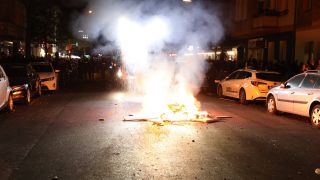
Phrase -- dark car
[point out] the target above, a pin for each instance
(24, 80)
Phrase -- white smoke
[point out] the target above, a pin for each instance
(143, 26)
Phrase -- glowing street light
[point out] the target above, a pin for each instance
(187, 1)
(90, 11)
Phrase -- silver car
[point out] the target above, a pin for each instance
(6, 100)
(299, 95)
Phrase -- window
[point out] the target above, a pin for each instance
(241, 10)
(309, 81)
(1, 73)
(295, 81)
(43, 68)
(282, 5)
(307, 5)
(271, 51)
(317, 84)
(233, 75)
(244, 75)
(270, 76)
(283, 50)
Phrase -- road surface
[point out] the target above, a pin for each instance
(80, 134)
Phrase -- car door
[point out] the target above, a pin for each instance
(304, 95)
(241, 81)
(228, 84)
(3, 87)
(286, 93)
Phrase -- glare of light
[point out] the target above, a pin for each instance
(119, 73)
(137, 38)
(190, 48)
(85, 36)
(156, 29)
(90, 11)
(230, 53)
(187, 1)
(42, 52)
(119, 96)
(188, 54)
(75, 57)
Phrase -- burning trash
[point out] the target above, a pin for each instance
(176, 113)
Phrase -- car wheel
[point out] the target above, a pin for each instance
(10, 106)
(27, 99)
(219, 91)
(243, 97)
(315, 116)
(271, 105)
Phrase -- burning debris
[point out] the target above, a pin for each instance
(177, 114)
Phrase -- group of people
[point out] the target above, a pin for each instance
(310, 66)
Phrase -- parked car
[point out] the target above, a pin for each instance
(47, 75)
(247, 84)
(24, 80)
(6, 100)
(299, 95)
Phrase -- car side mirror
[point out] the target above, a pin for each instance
(285, 86)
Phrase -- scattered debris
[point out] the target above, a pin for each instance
(317, 171)
(158, 121)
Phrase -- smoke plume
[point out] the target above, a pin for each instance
(143, 29)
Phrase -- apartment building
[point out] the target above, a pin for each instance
(13, 25)
(263, 30)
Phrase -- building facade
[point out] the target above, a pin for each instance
(307, 48)
(13, 24)
(262, 31)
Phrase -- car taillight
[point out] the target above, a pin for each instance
(256, 83)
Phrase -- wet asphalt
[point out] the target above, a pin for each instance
(80, 134)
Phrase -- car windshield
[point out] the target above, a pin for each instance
(15, 70)
(270, 77)
(43, 68)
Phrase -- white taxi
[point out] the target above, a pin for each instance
(248, 84)
(299, 95)
(47, 75)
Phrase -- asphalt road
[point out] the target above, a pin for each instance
(80, 135)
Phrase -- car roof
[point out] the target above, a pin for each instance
(312, 71)
(258, 71)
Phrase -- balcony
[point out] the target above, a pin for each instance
(265, 22)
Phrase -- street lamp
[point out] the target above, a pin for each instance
(90, 11)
